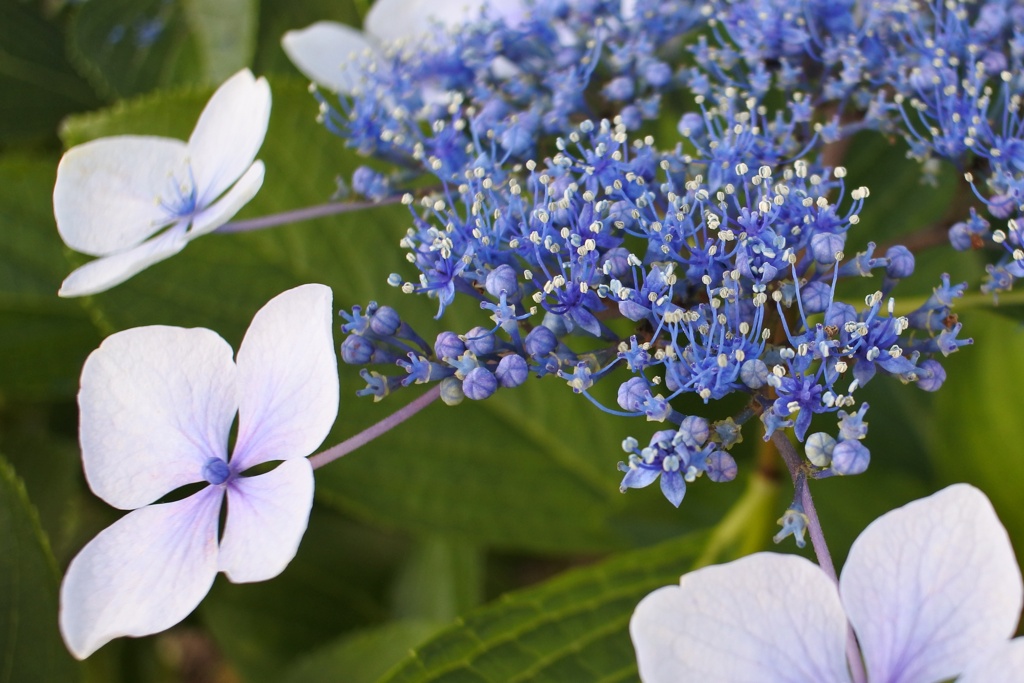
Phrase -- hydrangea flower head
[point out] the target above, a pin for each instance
(134, 200)
(932, 591)
(157, 405)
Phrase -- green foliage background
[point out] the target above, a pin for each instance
(487, 542)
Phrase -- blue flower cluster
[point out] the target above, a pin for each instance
(708, 265)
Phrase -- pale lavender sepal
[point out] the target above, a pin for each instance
(765, 617)
(287, 378)
(106, 198)
(324, 53)
(930, 585)
(105, 272)
(156, 403)
(141, 575)
(113, 193)
(267, 515)
(229, 134)
(225, 208)
(1004, 663)
(392, 20)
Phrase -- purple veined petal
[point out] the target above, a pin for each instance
(105, 272)
(929, 585)
(225, 208)
(1003, 664)
(156, 403)
(639, 477)
(113, 193)
(287, 378)
(764, 617)
(267, 516)
(673, 487)
(228, 134)
(323, 52)
(141, 575)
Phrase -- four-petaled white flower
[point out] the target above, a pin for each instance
(323, 51)
(932, 591)
(134, 200)
(157, 405)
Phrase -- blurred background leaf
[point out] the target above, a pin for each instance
(340, 580)
(225, 33)
(31, 645)
(38, 83)
(129, 47)
(44, 340)
(973, 426)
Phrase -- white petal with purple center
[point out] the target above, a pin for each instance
(225, 208)
(267, 515)
(103, 273)
(156, 403)
(287, 378)
(228, 134)
(112, 193)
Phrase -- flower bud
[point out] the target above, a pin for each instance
(385, 321)
(512, 370)
(502, 279)
(540, 342)
(357, 350)
(479, 384)
(480, 341)
(448, 345)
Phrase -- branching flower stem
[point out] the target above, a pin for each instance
(371, 433)
(794, 464)
(305, 214)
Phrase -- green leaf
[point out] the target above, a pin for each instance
(363, 656)
(571, 628)
(49, 337)
(39, 86)
(31, 647)
(225, 31)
